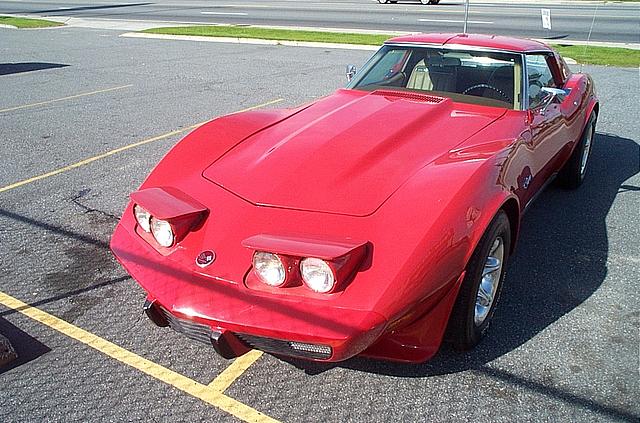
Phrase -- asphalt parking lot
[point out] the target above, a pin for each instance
(84, 116)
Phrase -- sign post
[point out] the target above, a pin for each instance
(466, 16)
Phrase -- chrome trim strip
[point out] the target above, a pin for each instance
(539, 192)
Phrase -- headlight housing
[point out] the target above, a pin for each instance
(269, 268)
(299, 266)
(317, 274)
(162, 232)
(143, 218)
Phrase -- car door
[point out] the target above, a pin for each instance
(549, 122)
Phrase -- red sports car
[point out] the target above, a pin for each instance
(374, 221)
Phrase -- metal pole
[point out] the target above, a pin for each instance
(466, 16)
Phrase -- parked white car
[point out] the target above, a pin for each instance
(421, 1)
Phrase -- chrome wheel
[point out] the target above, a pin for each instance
(488, 287)
(586, 150)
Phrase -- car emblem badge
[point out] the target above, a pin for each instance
(205, 258)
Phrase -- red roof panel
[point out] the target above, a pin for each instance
(498, 42)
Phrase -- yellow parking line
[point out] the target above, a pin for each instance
(183, 383)
(119, 150)
(41, 103)
(234, 371)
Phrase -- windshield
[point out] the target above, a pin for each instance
(478, 77)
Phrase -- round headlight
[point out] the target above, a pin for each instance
(317, 274)
(143, 217)
(269, 268)
(162, 232)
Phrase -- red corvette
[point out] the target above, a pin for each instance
(374, 221)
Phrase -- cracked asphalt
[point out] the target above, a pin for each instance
(565, 340)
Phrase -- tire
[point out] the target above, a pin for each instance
(434, 1)
(573, 172)
(472, 312)
(383, 1)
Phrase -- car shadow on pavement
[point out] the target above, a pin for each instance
(27, 347)
(11, 68)
(559, 262)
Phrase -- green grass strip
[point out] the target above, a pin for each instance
(273, 34)
(609, 56)
(27, 23)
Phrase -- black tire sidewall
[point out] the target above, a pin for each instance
(570, 176)
(463, 333)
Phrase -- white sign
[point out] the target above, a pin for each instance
(546, 18)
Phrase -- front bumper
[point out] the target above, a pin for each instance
(237, 318)
(230, 345)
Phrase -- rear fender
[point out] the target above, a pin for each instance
(593, 106)
(582, 95)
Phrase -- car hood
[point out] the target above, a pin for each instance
(346, 153)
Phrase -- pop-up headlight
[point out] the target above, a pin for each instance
(317, 274)
(269, 268)
(162, 232)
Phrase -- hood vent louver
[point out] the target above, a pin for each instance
(423, 98)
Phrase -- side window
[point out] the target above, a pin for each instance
(539, 76)
(566, 72)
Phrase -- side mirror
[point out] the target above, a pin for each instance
(550, 94)
(351, 72)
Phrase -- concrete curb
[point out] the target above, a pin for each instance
(7, 353)
(256, 41)
(8, 26)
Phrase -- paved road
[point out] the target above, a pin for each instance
(563, 346)
(613, 22)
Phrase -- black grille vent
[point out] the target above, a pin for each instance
(202, 333)
(192, 330)
(290, 348)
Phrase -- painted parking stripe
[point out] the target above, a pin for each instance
(71, 97)
(454, 21)
(203, 392)
(119, 150)
(234, 371)
(225, 13)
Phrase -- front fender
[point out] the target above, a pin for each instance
(191, 155)
(439, 216)
(458, 206)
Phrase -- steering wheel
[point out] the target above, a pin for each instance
(491, 87)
